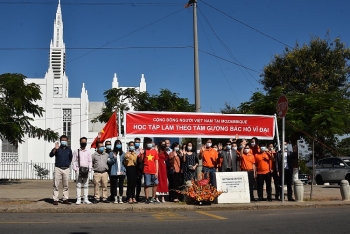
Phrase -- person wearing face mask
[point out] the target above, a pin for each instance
(100, 168)
(229, 158)
(63, 158)
(116, 159)
(163, 163)
(138, 148)
(285, 161)
(210, 159)
(130, 163)
(190, 163)
(175, 165)
(108, 149)
(247, 163)
(150, 159)
(167, 147)
(264, 167)
(84, 157)
(254, 145)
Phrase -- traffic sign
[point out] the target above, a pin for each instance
(282, 106)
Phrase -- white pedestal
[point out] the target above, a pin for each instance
(235, 186)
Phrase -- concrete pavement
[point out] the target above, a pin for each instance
(36, 196)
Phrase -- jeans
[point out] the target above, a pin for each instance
(211, 172)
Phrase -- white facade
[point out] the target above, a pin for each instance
(63, 114)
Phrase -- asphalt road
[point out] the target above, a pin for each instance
(308, 220)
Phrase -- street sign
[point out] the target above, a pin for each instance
(282, 106)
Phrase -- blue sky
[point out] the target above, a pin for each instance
(123, 24)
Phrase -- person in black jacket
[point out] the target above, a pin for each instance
(288, 159)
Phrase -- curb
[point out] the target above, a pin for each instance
(166, 208)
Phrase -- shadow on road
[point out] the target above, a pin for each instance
(9, 182)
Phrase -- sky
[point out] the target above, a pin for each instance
(155, 38)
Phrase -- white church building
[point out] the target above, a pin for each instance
(63, 114)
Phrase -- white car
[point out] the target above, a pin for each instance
(332, 170)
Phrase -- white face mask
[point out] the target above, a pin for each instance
(208, 145)
(189, 148)
(286, 146)
(263, 148)
(246, 151)
(234, 148)
(252, 144)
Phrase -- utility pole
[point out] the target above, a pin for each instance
(196, 76)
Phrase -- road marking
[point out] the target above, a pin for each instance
(210, 215)
(168, 216)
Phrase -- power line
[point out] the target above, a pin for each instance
(228, 50)
(262, 33)
(93, 3)
(222, 70)
(100, 48)
(128, 34)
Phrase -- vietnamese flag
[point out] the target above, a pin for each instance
(190, 3)
(109, 130)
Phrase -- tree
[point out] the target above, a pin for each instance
(344, 147)
(142, 101)
(18, 109)
(229, 109)
(314, 77)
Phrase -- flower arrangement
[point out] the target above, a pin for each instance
(200, 190)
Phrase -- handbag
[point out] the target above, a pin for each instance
(83, 171)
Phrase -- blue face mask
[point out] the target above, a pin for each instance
(118, 146)
(263, 148)
(228, 147)
(108, 146)
(150, 145)
(64, 143)
(137, 145)
(101, 149)
(131, 148)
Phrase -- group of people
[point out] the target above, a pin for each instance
(260, 160)
(166, 168)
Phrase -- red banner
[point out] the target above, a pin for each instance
(182, 124)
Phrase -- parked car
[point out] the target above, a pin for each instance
(332, 170)
(305, 178)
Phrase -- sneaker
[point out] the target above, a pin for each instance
(153, 200)
(78, 202)
(116, 201)
(147, 201)
(86, 201)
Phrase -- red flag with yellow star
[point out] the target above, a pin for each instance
(190, 2)
(109, 130)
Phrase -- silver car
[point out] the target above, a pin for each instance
(332, 170)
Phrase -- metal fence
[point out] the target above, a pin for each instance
(30, 171)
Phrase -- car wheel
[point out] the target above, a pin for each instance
(319, 180)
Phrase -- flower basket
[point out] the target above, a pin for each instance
(200, 191)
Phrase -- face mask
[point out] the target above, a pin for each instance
(234, 148)
(108, 146)
(137, 145)
(149, 146)
(286, 146)
(271, 149)
(101, 149)
(246, 151)
(131, 148)
(83, 145)
(162, 146)
(176, 149)
(118, 146)
(240, 147)
(263, 148)
(189, 148)
(208, 145)
(228, 147)
(64, 143)
(252, 144)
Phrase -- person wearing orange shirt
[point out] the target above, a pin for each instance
(263, 161)
(247, 163)
(210, 160)
(254, 145)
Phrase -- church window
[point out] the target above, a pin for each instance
(67, 124)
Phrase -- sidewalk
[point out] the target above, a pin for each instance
(36, 196)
